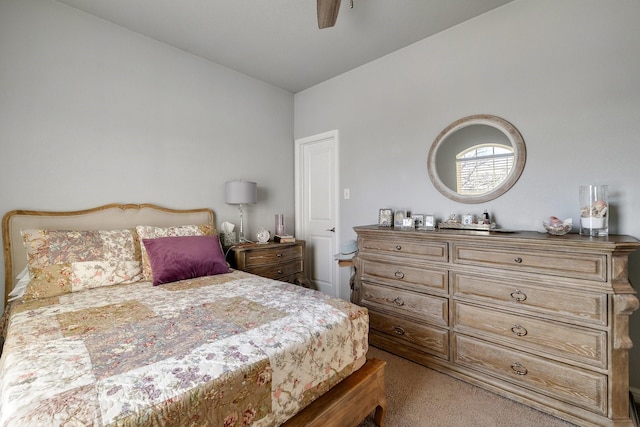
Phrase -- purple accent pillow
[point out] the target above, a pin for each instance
(184, 257)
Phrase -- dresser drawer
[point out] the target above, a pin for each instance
(415, 278)
(428, 251)
(271, 255)
(278, 272)
(572, 305)
(572, 343)
(427, 308)
(564, 382)
(424, 338)
(565, 264)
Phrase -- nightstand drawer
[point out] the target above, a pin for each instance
(280, 261)
(272, 254)
(277, 271)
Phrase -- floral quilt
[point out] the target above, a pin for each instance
(227, 350)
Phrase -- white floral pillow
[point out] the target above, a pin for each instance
(150, 232)
(64, 261)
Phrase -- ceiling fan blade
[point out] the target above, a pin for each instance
(327, 13)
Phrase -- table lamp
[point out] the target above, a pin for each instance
(240, 193)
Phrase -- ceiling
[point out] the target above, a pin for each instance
(278, 41)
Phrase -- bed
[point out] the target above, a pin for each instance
(139, 321)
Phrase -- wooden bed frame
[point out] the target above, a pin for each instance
(346, 404)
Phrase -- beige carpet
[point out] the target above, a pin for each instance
(421, 397)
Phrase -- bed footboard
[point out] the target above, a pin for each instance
(348, 403)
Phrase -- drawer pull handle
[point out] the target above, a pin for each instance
(518, 295)
(399, 274)
(398, 248)
(399, 301)
(398, 330)
(278, 255)
(519, 331)
(519, 369)
(518, 260)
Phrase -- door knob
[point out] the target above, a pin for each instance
(333, 229)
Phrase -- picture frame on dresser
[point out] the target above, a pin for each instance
(418, 220)
(385, 217)
(399, 217)
(428, 222)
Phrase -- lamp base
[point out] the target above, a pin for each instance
(241, 238)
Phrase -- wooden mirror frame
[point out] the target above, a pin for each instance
(519, 152)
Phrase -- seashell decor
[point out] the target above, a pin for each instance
(558, 227)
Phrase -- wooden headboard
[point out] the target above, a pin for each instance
(108, 217)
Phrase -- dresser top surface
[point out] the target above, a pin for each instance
(506, 237)
(269, 245)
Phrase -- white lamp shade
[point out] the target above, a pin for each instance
(240, 192)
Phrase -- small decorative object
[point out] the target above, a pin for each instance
(284, 238)
(467, 219)
(418, 220)
(399, 216)
(468, 223)
(558, 227)
(263, 236)
(485, 217)
(385, 218)
(429, 222)
(228, 239)
(279, 228)
(594, 210)
(407, 224)
(228, 235)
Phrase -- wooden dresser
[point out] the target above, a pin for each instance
(536, 318)
(280, 261)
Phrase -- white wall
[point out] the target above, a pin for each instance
(91, 113)
(565, 73)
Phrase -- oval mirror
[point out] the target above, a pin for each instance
(476, 159)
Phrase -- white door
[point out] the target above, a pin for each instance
(316, 201)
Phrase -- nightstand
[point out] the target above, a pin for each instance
(280, 261)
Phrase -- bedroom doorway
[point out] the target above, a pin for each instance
(317, 207)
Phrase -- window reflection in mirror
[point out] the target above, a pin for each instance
(482, 167)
